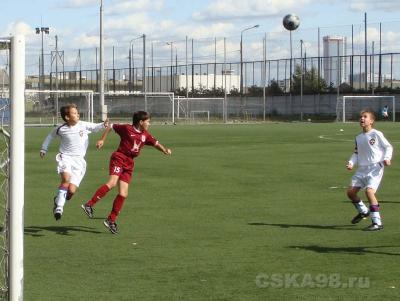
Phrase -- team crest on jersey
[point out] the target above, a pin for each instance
(143, 138)
(81, 133)
(372, 141)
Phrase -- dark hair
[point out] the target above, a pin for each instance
(64, 111)
(139, 116)
(370, 112)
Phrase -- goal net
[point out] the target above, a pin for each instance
(161, 106)
(200, 110)
(43, 107)
(348, 107)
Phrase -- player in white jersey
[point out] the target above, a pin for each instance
(71, 164)
(372, 152)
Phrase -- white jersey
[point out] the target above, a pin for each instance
(74, 139)
(371, 148)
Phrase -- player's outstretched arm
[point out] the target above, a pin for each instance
(103, 138)
(47, 142)
(163, 149)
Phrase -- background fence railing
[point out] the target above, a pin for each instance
(327, 73)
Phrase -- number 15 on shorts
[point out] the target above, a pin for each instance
(117, 170)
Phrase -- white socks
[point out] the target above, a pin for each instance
(361, 208)
(61, 197)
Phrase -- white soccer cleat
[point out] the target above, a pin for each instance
(58, 211)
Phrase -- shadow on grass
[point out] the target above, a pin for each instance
(347, 250)
(61, 230)
(321, 227)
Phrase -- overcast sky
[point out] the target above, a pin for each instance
(76, 23)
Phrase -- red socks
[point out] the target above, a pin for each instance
(117, 206)
(99, 194)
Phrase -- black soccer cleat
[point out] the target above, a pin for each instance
(111, 226)
(373, 227)
(359, 217)
(88, 210)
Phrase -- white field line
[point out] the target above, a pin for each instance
(331, 138)
(326, 137)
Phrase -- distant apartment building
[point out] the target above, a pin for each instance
(373, 80)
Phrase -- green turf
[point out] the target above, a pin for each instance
(233, 205)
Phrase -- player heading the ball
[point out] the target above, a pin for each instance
(133, 138)
(372, 153)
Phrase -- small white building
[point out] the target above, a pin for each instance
(198, 81)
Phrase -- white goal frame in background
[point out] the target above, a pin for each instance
(87, 93)
(147, 96)
(343, 100)
(184, 111)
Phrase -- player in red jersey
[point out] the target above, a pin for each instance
(133, 138)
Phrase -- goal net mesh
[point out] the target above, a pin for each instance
(4, 196)
(43, 107)
(201, 109)
(348, 108)
(120, 107)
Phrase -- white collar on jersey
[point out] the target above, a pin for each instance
(136, 129)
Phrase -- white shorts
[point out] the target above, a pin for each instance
(75, 166)
(368, 176)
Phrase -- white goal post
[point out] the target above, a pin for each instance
(348, 107)
(12, 168)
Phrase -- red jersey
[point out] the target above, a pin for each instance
(132, 140)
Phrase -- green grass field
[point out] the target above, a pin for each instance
(238, 212)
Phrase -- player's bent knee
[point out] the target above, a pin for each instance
(350, 193)
(111, 185)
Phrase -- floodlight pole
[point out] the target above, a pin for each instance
(172, 45)
(143, 36)
(144, 88)
(290, 29)
(365, 52)
(241, 56)
(301, 80)
(41, 30)
(290, 66)
(103, 107)
(264, 72)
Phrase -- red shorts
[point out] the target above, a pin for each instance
(121, 166)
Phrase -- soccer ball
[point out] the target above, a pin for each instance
(291, 22)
